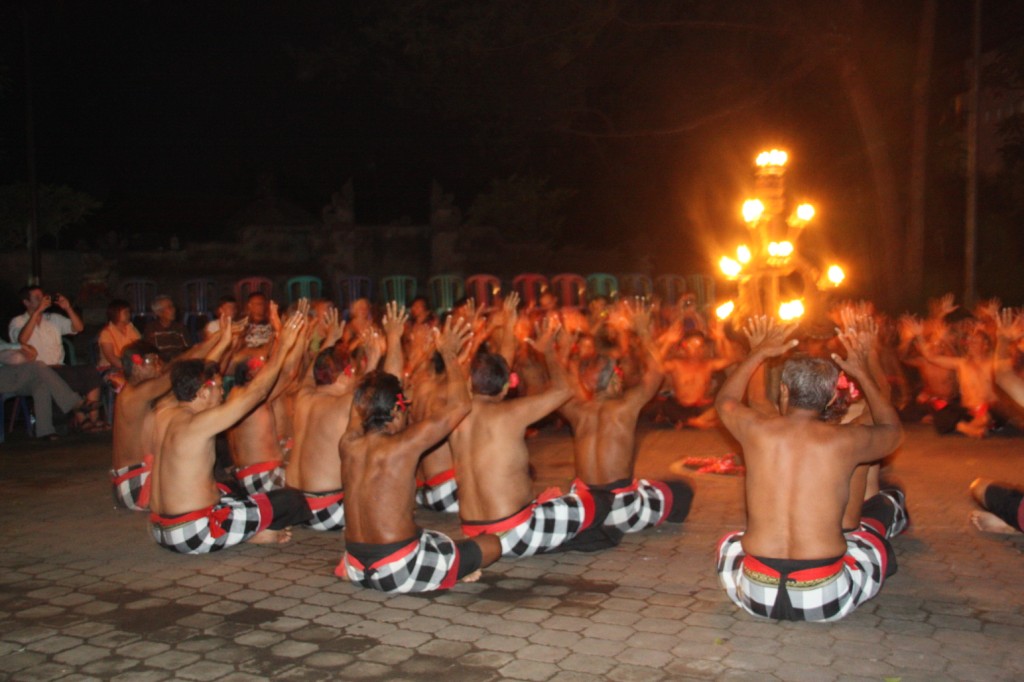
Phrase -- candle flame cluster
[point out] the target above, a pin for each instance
(791, 310)
(775, 157)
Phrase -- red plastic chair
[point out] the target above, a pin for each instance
(251, 285)
(530, 285)
(483, 288)
(570, 288)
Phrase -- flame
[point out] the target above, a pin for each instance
(805, 212)
(725, 310)
(753, 209)
(791, 310)
(743, 254)
(775, 157)
(835, 275)
(730, 268)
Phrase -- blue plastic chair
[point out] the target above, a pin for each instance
(570, 288)
(635, 284)
(352, 287)
(70, 356)
(20, 405)
(670, 287)
(704, 287)
(198, 296)
(444, 291)
(398, 288)
(305, 286)
(140, 293)
(602, 284)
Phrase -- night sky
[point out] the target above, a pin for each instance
(174, 115)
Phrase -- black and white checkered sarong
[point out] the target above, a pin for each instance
(131, 485)
(328, 510)
(642, 504)
(231, 521)
(261, 478)
(439, 493)
(429, 562)
(544, 524)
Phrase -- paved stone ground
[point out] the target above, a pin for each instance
(85, 594)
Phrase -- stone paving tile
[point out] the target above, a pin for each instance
(120, 608)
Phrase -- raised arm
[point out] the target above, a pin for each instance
(394, 321)
(1009, 331)
(558, 390)
(510, 308)
(767, 340)
(650, 382)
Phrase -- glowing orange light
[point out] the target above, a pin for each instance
(753, 209)
(835, 275)
(791, 310)
(805, 212)
(775, 157)
(725, 310)
(730, 268)
(743, 253)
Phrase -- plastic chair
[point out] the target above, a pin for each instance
(20, 405)
(704, 287)
(250, 285)
(635, 284)
(352, 287)
(444, 291)
(529, 286)
(398, 288)
(670, 287)
(139, 293)
(602, 284)
(198, 295)
(483, 289)
(70, 356)
(305, 286)
(570, 288)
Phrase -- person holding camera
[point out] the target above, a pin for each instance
(42, 330)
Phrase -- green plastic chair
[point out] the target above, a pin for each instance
(398, 288)
(602, 284)
(444, 291)
(305, 286)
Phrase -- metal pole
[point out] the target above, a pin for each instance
(32, 236)
(971, 231)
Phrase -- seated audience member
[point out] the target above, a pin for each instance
(42, 331)
(604, 444)
(227, 306)
(794, 562)
(167, 334)
(118, 333)
(136, 441)
(21, 374)
(190, 513)
(385, 549)
(492, 463)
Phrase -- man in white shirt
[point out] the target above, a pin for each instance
(21, 374)
(43, 330)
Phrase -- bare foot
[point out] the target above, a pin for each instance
(272, 537)
(472, 577)
(971, 430)
(990, 523)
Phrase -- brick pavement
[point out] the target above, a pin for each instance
(85, 594)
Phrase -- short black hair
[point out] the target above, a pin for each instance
(188, 376)
(115, 307)
(330, 363)
(375, 399)
(490, 373)
(226, 298)
(26, 291)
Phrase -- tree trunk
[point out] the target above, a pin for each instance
(913, 264)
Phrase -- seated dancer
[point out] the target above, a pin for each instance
(385, 549)
(322, 406)
(191, 514)
(492, 463)
(436, 487)
(135, 438)
(690, 369)
(253, 441)
(794, 562)
(604, 444)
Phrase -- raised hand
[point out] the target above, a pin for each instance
(455, 336)
(274, 315)
(913, 326)
(550, 327)
(857, 355)
(511, 309)
(395, 317)
(943, 306)
(373, 345)
(1010, 324)
(767, 337)
(292, 329)
(334, 325)
(990, 308)
(640, 312)
(303, 306)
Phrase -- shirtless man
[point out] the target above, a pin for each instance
(492, 463)
(794, 562)
(385, 549)
(322, 407)
(690, 371)
(253, 442)
(134, 438)
(190, 513)
(1003, 504)
(974, 374)
(604, 443)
